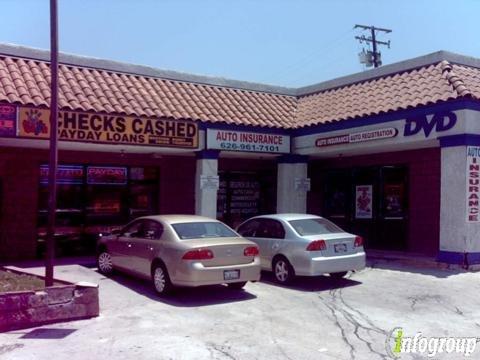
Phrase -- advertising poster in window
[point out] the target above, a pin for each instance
(363, 202)
(393, 200)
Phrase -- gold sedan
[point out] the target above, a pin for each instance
(180, 250)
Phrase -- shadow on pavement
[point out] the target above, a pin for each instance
(185, 297)
(310, 283)
(416, 268)
(48, 333)
(85, 261)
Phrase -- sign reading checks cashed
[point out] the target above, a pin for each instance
(79, 126)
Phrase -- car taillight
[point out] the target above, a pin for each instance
(198, 254)
(251, 251)
(317, 245)
(358, 241)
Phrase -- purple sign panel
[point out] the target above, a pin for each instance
(8, 116)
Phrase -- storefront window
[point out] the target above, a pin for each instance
(242, 195)
(93, 200)
(143, 195)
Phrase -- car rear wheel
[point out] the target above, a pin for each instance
(104, 262)
(283, 271)
(161, 280)
(338, 275)
(237, 285)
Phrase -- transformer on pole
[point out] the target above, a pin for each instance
(371, 57)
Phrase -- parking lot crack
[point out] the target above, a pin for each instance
(223, 350)
(336, 320)
(339, 306)
(8, 348)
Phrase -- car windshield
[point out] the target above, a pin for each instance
(195, 230)
(314, 226)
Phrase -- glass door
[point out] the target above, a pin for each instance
(393, 216)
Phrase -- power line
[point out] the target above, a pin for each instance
(311, 56)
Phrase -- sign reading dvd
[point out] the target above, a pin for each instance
(247, 141)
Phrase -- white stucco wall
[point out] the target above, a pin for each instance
(206, 198)
(289, 199)
(456, 234)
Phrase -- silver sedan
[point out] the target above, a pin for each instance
(183, 250)
(302, 244)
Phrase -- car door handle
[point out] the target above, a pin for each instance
(275, 246)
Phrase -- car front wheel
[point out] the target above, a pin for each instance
(283, 271)
(161, 280)
(104, 262)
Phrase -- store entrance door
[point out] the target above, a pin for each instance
(371, 202)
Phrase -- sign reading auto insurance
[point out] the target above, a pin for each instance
(473, 184)
(357, 137)
(247, 141)
(80, 126)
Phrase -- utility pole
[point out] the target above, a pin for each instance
(374, 54)
(53, 156)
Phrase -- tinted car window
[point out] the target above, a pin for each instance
(152, 230)
(272, 229)
(315, 226)
(133, 230)
(249, 228)
(195, 230)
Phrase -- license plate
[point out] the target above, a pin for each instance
(231, 274)
(340, 247)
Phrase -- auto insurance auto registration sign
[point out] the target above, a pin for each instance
(229, 140)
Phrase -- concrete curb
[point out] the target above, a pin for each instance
(66, 302)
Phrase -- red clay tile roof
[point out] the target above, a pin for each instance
(26, 81)
(423, 86)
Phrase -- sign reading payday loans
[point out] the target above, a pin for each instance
(8, 116)
(247, 141)
(363, 202)
(79, 126)
(473, 183)
(357, 137)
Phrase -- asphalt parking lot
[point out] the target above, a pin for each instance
(312, 319)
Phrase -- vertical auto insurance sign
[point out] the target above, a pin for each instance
(473, 183)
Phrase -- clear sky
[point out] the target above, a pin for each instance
(279, 42)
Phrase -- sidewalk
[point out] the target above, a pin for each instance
(375, 257)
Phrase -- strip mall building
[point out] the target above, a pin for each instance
(392, 154)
